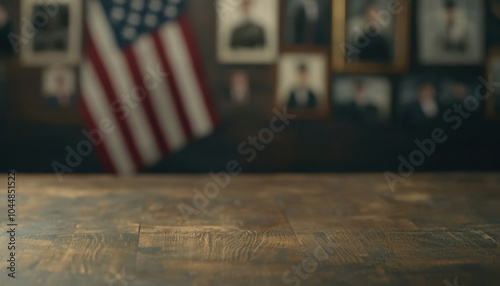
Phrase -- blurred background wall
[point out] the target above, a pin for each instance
(33, 137)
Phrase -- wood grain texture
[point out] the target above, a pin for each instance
(346, 229)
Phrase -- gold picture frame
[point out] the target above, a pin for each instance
(401, 57)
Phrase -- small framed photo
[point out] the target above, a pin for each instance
(59, 87)
(370, 36)
(455, 90)
(239, 87)
(56, 33)
(420, 101)
(363, 100)
(451, 32)
(247, 31)
(7, 12)
(303, 83)
(493, 69)
(306, 22)
(493, 22)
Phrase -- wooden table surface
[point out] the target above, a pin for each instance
(329, 229)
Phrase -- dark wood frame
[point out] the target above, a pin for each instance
(282, 43)
(490, 102)
(401, 61)
(322, 112)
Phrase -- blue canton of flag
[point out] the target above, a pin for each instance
(131, 19)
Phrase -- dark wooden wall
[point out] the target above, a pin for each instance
(32, 138)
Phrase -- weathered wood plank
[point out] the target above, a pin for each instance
(347, 229)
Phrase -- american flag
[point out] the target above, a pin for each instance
(141, 80)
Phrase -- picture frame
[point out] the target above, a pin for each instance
(303, 82)
(59, 87)
(420, 102)
(362, 99)
(493, 69)
(451, 32)
(55, 37)
(347, 53)
(247, 31)
(305, 27)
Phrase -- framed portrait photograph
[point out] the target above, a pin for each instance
(247, 31)
(420, 102)
(493, 69)
(454, 90)
(6, 28)
(59, 87)
(56, 34)
(493, 22)
(303, 83)
(451, 32)
(370, 36)
(306, 22)
(363, 100)
(239, 87)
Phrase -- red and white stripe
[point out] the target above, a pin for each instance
(176, 111)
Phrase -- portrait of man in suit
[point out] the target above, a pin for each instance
(248, 34)
(307, 22)
(425, 109)
(5, 29)
(361, 100)
(364, 27)
(451, 31)
(302, 96)
(303, 82)
(53, 35)
(453, 36)
(59, 87)
(247, 31)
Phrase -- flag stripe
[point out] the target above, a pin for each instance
(160, 50)
(95, 100)
(197, 65)
(161, 96)
(144, 95)
(112, 98)
(122, 83)
(147, 80)
(186, 80)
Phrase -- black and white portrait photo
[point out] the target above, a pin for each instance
(247, 31)
(363, 100)
(59, 87)
(239, 87)
(454, 91)
(420, 103)
(58, 36)
(451, 32)
(306, 22)
(303, 83)
(6, 27)
(54, 34)
(365, 31)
